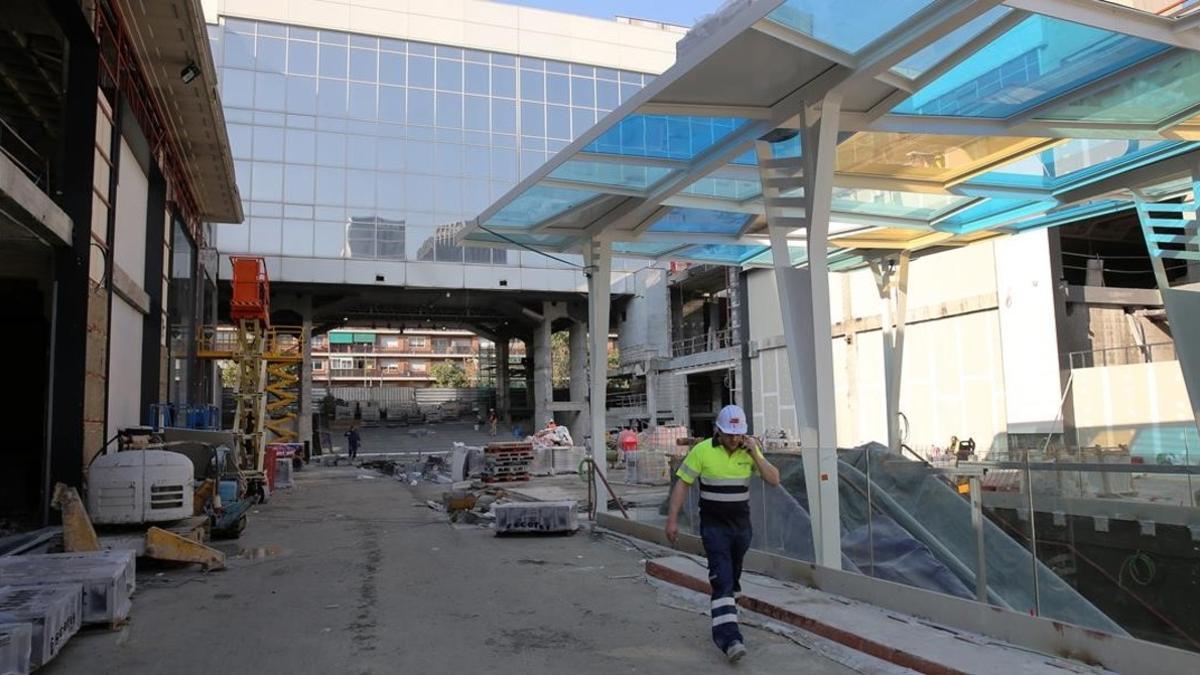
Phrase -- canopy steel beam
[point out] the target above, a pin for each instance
(891, 280)
(976, 126)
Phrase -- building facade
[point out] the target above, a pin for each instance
(105, 194)
(362, 133)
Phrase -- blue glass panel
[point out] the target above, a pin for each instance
(1036, 60)
(537, 204)
(705, 221)
(664, 136)
(914, 205)
(833, 24)
(1076, 160)
(729, 254)
(611, 174)
(992, 213)
(1154, 95)
(1071, 214)
(647, 249)
(925, 59)
(717, 187)
(528, 239)
(798, 254)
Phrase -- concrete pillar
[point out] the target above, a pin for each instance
(543, 388)
(652, 396)
(503, 406)
(580, 424)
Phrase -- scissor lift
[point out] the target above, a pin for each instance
(267, 360)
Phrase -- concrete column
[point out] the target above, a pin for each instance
(581, 424)
(543, 391)
(652, 396)
(503, 407)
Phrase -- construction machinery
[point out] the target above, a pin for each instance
(266, 362)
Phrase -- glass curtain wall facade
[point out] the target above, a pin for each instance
(353, 146)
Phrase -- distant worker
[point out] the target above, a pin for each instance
(353, 440)
(493, 420)
(724, 465)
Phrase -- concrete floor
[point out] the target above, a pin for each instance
(344, 574)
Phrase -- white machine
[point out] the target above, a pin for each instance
(140, 486)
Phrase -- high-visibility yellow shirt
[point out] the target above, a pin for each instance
(724, 482)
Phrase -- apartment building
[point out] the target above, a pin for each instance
(367, 357)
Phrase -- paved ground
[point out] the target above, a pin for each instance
(343, 574)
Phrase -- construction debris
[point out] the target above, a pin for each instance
(108, 579)
(536, 517)
(52, 611)
(16, 641)
(507, 461)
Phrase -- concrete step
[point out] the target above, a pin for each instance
(901, 639)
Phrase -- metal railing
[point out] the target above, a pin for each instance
(707, 342)
(1123, 356)
(629, 400)
(21, 153)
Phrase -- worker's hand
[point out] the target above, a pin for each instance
(672, 531)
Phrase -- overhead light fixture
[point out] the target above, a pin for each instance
(190, 72)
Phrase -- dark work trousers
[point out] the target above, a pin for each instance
(725, 548)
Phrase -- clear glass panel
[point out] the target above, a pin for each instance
(830, 23)
(706, 221)
(916, 65)
(991, 213)
(925, 156)
(272, 54)
(913, 205)
(611, 173)
(728, 188)
(798, 254)
(333, 61)
(1036, 60)
(1152, 96)
(537, 204)
(643, 249)
(664, 136)
(728, 254)
(1072, 160)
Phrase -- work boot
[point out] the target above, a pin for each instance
(735, 651)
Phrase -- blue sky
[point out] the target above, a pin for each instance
(682, 12)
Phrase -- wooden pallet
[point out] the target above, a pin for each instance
(508, 478)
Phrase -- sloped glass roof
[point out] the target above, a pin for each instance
(663, 136)
(538, 204)
(829, 22)
(1011, 114)
(1036, 60)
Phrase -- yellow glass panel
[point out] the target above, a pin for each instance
(926, 157)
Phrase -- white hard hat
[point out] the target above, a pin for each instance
(732, 420)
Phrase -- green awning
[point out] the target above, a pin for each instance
(365, 337)
(341, 338)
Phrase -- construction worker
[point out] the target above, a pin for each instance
(724, 465)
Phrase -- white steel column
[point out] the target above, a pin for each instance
(597, 256)
(891, 277)
(1178, 225)
(804, 305)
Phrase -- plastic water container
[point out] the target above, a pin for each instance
(228, 491)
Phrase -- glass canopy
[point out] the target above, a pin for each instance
(988, 128)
